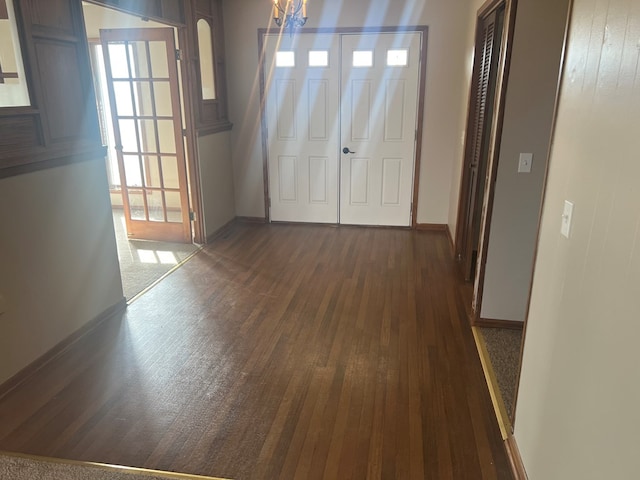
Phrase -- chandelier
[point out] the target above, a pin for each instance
(293, 15)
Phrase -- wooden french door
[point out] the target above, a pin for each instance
(142, 80)
(328, 92)
(488, 45)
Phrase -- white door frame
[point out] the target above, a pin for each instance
(421, 29)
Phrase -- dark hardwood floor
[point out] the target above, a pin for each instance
(278, 352)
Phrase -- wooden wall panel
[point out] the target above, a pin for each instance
(19, 130)
(61, 124)
(54, 14)
(63, 90)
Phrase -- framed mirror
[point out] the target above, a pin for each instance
(13, 84)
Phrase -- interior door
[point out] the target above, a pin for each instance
(302, 123)
(142, 79)
(379, 104)
(487, 55)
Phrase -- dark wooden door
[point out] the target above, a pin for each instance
(485, 72)
(142, 80)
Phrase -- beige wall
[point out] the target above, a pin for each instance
(58, 260)
(216, 178)
(447, 62)
(531, 93)
(577, 414)
(465, 87)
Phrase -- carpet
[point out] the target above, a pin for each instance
(24, 467)
(503, 346)
(142, 263)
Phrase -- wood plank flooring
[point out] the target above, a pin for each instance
(279, 351)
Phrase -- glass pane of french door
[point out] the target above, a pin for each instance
(142, 80)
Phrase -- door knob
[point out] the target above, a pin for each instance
(346, 150)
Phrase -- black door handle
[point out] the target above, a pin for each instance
(346, 150)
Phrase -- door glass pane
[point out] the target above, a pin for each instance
(118, 60)
(122, 92)
(159, 66)
(154, 204)
(152, 172)
(362, 58)
(170, 172)
(128, 135)
(148, 136)
(162, 92)
(165, 134)
(132, 170)
(138, 58)
(285, 59)
(144, 99)
(136, 205)
(174, 209)
(397, 58)
(318, 58)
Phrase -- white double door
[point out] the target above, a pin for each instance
(341, 114)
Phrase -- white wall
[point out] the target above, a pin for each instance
(531, 93)
(444, 120)
(216, 178)
(577, 414)
(58, 260)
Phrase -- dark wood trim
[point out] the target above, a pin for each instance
(439, 227)
(217, 128)
(251, 219)
(24, 374)
(515, 460)
(191, 145)
(423, 30)
(544, 195)
(496, 323)
(220, 232)
(424, 36)
(174, 17)
(263, 121)
(43, 160)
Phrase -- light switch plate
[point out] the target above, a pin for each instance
(567, 216)
(524, 164)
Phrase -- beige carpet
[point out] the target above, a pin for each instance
(19, 467)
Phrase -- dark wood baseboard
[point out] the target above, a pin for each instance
(493, 323)
(251, 219)
(221, 231)
(433, 227)
(60, 348)
(513, 453)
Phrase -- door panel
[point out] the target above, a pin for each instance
(302, 126)
(142, 80)
(378, 115)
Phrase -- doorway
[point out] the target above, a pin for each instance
(479, 128)
(341, 123)
(138, 93)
